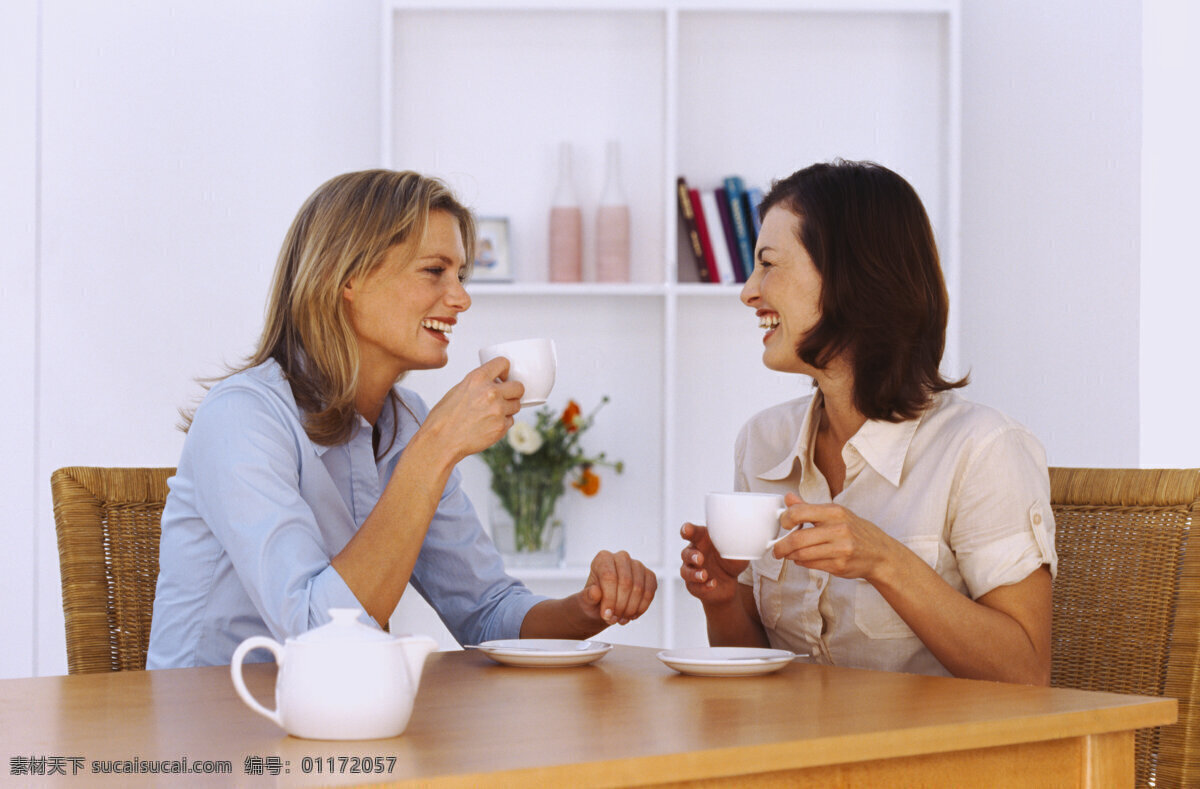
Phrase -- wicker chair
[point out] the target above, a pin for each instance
(1127, 601)
(108, 526)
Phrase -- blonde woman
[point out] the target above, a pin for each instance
(310, 480)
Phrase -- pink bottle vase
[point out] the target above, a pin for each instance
(566, 225)
(612, 224)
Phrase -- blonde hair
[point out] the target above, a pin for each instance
(343, 231)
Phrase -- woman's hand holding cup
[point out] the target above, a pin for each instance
(477, 411)
(708, 577)
(743, 524)
(532, 362)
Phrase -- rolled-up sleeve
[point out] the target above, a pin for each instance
(1003, 526)
(246, 467)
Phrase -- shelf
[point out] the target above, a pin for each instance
(724, 290)
(581, 289)
(687, 6)
(482, 92)
(591, 289)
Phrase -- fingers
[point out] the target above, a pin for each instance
(801, 513)
(696, 533)
(692, 556)
(693, 565)
(495, 373)
(798, 545)
(706, 575)
(512, 392)
(495, 368)
(621, 587)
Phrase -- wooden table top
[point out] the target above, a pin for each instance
(626, 719)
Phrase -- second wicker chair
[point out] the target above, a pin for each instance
(1127, 601)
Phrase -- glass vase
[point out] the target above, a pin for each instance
(566, 224)
(525, 529)
(612, 223)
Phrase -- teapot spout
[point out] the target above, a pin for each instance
(416, 649)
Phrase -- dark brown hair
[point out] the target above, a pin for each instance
(883, 299)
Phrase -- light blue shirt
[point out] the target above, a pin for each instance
(256, 511)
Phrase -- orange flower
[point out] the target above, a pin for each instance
(588, 483)
(570, 417)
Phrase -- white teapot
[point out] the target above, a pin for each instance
(341, 681)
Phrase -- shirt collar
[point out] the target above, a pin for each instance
(883, 445)
(800, 450)
(385, 422)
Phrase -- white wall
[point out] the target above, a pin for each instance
(1169, 377)
(1050, 220)
(18, 306)
(170, 144)
(176, 142)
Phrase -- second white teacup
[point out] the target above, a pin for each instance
(532, 362)
(741, 525)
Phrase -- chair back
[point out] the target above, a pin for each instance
(1127, 601)
(108, 524)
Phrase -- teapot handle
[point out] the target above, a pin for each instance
(235, 669)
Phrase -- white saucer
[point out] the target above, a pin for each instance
(543, 652)
(726, 661)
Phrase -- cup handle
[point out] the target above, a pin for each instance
(771, 543)
(235, 670)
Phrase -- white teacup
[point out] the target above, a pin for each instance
(742, 525)
(532, 362)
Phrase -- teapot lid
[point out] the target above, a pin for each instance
(344, 627)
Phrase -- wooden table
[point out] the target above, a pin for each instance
(627, 719)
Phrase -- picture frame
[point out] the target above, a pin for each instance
(492, 261)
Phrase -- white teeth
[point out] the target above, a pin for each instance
(444, 328)
(768, 321)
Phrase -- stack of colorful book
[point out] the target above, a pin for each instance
(721, 225)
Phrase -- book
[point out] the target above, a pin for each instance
(754, 198)
(702, 230)
(716, 235)
(735, 189)
(688, 217)
(735, 255)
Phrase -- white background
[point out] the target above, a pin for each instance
(152, 155)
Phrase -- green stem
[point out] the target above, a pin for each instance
(530, 500)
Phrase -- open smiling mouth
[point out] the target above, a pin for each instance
(441, 328)
(768, 322)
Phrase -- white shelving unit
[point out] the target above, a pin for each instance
(482, 93)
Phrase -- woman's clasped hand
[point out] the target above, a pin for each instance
(619, 589)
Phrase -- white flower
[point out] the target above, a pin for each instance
(524, 438)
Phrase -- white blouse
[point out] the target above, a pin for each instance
(962, 486)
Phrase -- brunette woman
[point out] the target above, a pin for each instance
(925, 540)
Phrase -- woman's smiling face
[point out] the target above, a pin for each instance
(404, 310)
(784, 290)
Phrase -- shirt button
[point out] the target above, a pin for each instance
(1037, 519)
